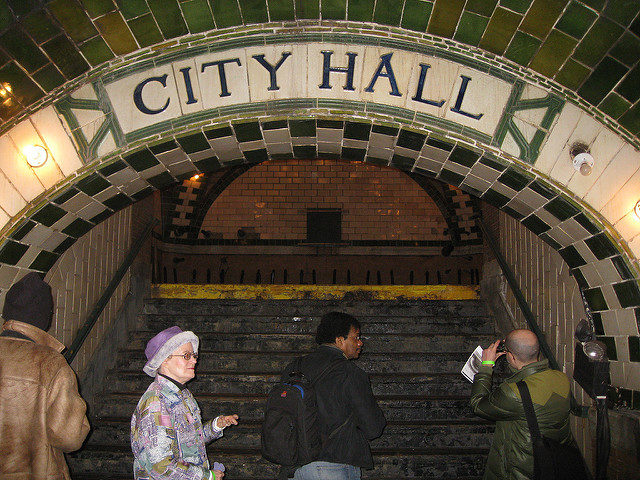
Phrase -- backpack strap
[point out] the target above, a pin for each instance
(330, 366)
(527, 403)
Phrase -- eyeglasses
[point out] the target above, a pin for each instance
(187, 356)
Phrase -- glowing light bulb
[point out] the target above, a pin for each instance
(36, 155)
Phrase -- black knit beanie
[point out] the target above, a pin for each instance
(29, 300)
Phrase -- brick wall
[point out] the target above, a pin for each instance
(376, 203)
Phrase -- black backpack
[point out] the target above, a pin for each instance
(291, 429)
(552, 460)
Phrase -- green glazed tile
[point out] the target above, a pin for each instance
(49, 214)
(21, 232)
(561, 209)
(169, 17)
(302, 128)
(541, 17)
(163, 147)
(44, 261)
(334, 124)
(384, 130)
(256, 156)
(634, 349)
(101, 216)
(387, 12)
(595, 4)
(622, 267)
(64, 245)
(576, 20)
(572, 74)
(520, 6)
(463, 156)
(116, 33)
(553, 53)
(95, 8)
(361, 11)
(597, 324)
(48, 78)
(20, 7)
(141, 160)
(333, 9)
(628, 293)
(247, 132)
(481, 7)
(614, 105)
(253, 11)
(500, 30)
(112, 168)
(416, 15)
(132, 8)
(11, 252)
(92, 184)
(597, 42)
(470, 28)
(74, 20)
(66, 195)
(601, 246)
(610, 343)
(96, 51)
(6, 17)
(118, 202)
(444, 17)
(274, 125)
(514, 179)
(21, 48)
(571, 255)
(282, 10)
(309, 151)
(627, 50)
(144, 193)
(535, 224)
(226, 13)
(522, 48)
(145, 30)
(193, 143)
(629, 88)
(453, 178)
(40, 26)
(162, 180)
(411, 140)
(496, 199)
(218, 133)
(622, 11)
(635, 26)
(22, 85)
(602, 80)
(357, 130)
(197, 15)
(65, 56)
(307, 8)
(631, 119)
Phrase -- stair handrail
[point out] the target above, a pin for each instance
(517, 293)
(71, 352)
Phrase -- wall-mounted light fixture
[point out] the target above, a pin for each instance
(36, 155)
(582, 159)
(636, 209)
(5, 94)
(196, 177)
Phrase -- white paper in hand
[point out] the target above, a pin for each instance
(473, 364)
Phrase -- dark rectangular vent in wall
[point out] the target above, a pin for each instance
(324, 225)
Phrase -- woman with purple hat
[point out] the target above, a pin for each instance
(167, 434)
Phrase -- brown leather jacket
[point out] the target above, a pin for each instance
(42, 414)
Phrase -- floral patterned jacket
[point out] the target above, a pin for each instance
(167, 435)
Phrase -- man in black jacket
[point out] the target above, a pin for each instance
(349, 414)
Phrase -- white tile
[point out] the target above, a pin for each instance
(37, 235)
(559, 236)
(10, 200)
(153, 171)
(291, 82)
(482, 171)
(16, 169)
(178, 169)
(586, 252)
(531, 198)
(456, 167)
(172, 156)
(427, 164)
(628, 226)
(437, 154)
(351, 143)
(197, 156)
(617, 173)
(303, 140)
(558, 137)
(329, 147)
(329, 135)
(381, 140)
(245, 146)
(632, 375)
(91, 210)
(624, 201)
(520, 207)
(8, 276)
(378, 152)
(479, 184)
(337, 80)
(53, 241)
(134, 187)
(123, 176)
(57, 140)
(547, 217)
(592, 275)
(610, 296)
(406, 152)
(278, 136)
(106, 194)
(280, 148)
(627, 323)
(616, 372)
(574, 229)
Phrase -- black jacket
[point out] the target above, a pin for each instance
(344, 391)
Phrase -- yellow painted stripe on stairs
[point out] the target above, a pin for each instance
(315, 292)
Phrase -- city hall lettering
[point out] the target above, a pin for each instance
(429, 85)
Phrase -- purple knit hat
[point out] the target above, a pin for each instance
(163, 344)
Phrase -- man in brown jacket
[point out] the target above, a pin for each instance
(41, 412)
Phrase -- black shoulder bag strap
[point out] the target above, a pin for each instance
(527, 403)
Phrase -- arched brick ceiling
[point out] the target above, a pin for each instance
(591, 47)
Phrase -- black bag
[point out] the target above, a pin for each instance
(552, 460)
(291, 429)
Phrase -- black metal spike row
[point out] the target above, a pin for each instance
(414, 351)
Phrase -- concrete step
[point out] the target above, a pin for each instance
(452, 433)
(260, 384)
(304, 343)
(418, 408)
(259, 362)
(453, 462)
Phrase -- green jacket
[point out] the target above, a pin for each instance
(510, 456)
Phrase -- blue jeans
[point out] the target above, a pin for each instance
(327, 471)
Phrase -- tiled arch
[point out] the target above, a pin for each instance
(597, 263)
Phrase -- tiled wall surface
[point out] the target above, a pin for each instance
(554, 298)
(81, 275)
(273, 198)
(590, 47)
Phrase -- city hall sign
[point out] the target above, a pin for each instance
(428, 89)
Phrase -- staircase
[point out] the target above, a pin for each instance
(413, 352)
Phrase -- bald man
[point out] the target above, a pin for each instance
(511, 454)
